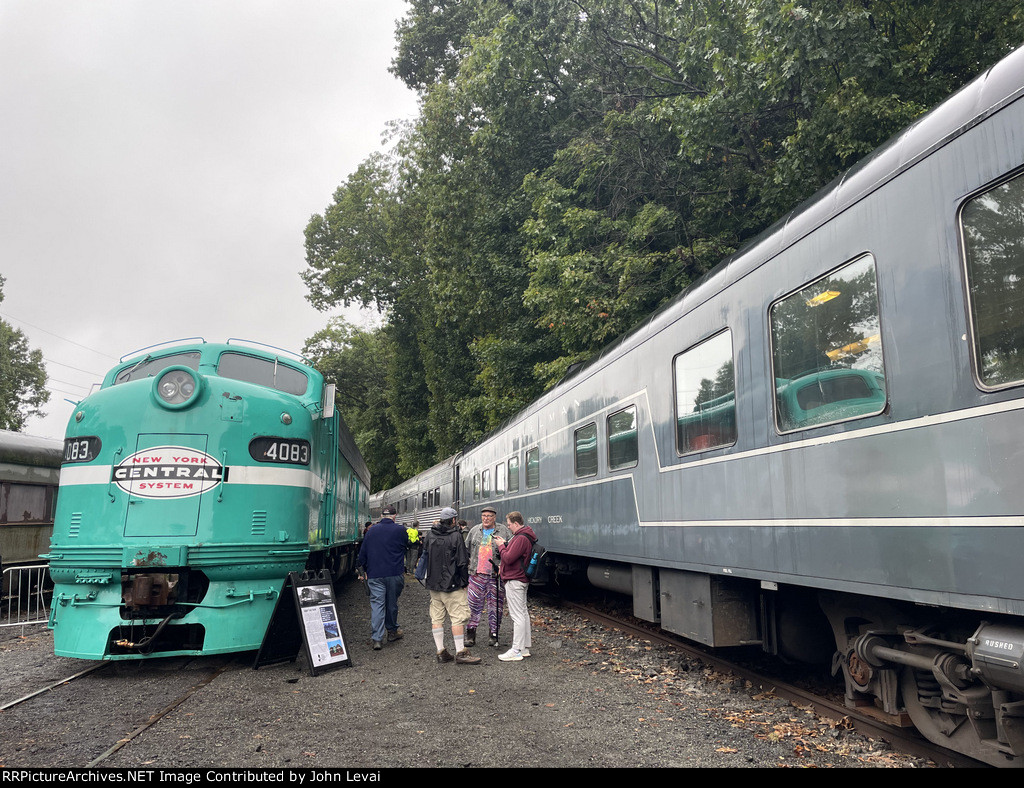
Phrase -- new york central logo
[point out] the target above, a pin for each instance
(168, 472)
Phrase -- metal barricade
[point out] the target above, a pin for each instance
(25, 593)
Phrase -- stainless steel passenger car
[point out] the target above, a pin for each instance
(421, 498)
(818, 447)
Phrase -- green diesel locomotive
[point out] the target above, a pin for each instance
(193, 481)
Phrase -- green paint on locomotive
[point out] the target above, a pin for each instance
(194, 480)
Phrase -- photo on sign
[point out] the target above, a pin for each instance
(310, 596)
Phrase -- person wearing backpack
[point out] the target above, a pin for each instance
(514, 556)
(447, 575)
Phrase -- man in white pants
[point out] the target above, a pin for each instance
(514, 555)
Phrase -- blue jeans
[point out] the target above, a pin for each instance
(384, 593)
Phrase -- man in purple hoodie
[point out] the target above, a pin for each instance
(514, 555)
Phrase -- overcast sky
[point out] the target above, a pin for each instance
(159, 161)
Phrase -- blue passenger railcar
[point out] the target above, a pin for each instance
(193, 481)
(817, 448)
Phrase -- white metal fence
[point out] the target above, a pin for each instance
(26, 590)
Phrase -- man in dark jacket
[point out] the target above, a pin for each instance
(382, 567)
(447, 578)
(514, 554)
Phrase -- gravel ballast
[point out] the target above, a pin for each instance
(588, 697)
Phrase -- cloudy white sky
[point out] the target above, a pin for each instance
(159, 160)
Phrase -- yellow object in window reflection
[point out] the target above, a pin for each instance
(853, 348)
(822, 298)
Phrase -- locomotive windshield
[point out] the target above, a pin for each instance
(150, 366)
(263, 372)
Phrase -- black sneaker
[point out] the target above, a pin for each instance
(470, 637)
(494, 640)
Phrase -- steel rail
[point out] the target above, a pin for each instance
(55, 684)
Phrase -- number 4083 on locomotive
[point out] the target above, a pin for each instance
(193, 481)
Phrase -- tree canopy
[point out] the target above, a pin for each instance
(22, 377)
(576, 163)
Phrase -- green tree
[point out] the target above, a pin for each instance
(576, 163)
(22, 377)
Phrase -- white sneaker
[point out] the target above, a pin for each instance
(525, 652)
(511, 656)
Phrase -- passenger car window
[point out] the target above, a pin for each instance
(827, 350)
(623, 450)
(486, 476)
(26, 503)
(263, 372)
(499, 479)
(586, 451)
(993, 244)
(533, 468)
(706, 395)
(513, 474)
(149, 367)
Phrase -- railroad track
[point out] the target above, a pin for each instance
(52, 716)
(905, 740)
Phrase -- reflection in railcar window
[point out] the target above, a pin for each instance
(149, 367)
(513, 474)
(476, 486)
(499, 479)
(486, 482)
(623, 451)
(586, 451)
(706, 395)
(263, 372)
(827, 350)
(533, 468)
(993, 235)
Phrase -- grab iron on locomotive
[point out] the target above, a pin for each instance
(817, 449)
(192, 482)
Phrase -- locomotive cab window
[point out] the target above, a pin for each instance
(263, 372)
(992, 226)
(586, 451)
(706, 395)
(827, 350)
(623, 450)
(149, 367)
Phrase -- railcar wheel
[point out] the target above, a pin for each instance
(946, 723)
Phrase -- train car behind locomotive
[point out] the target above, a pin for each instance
(817, 448)
(194, 480)
(29, 474)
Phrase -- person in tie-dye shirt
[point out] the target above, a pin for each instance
(484, 589)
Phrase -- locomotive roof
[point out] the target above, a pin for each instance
(997, 87)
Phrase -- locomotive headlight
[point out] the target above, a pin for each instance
(176, 387)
